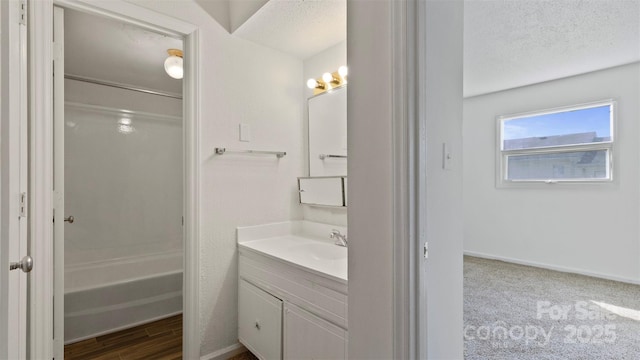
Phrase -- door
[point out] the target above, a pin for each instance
(13, 182)
(59, 216)
(259, 321)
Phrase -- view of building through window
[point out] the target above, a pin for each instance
(567, 144)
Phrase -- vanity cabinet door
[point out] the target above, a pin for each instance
(307, 336)
(259, 321)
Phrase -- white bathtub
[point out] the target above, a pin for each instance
(107, 296)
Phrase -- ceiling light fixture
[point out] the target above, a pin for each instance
(173, 64)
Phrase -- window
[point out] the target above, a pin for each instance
(571, 144)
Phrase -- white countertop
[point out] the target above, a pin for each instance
(287, 242)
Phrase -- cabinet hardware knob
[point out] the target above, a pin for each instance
(257, 325)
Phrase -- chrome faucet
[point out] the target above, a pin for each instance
(341, 240)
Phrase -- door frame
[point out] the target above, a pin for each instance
(41, 167)
(406, 204)
(412, 51)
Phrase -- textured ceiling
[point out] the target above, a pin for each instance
(297, 27)
(105, 49)
(512, 43)
(507, 43)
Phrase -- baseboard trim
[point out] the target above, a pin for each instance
(552, 267)
(224, 354)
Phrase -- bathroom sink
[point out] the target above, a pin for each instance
(323, 257)
(321, 251)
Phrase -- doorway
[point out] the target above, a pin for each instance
(41, 13)
(117, 183)
(534, 238)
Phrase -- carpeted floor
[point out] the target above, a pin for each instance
(519, 312)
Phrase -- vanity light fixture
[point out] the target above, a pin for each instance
(173, 64)
(343, 71)
(329, 78)
(318, 85)
(328, 81)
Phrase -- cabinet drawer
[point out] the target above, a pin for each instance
(307, 336)
(259, 321)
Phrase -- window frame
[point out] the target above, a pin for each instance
(503, 155)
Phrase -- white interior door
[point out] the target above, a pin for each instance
(13, 182)
(58, 182)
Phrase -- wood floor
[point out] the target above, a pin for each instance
(160, 339)
(244, 356)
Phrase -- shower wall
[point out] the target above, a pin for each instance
(123, 185)
(123, 179)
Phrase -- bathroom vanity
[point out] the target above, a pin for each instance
(292, 292)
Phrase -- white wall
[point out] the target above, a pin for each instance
(241, 82)
(586, 229)
(370, 181)
(328, 60)
(220, 11)
(231, 14)
(123, 184)
(241, 11)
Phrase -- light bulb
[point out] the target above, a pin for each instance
(327, 77)
(343, 71)
(312, 83)
(173, 67)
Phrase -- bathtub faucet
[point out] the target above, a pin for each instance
(341, 240)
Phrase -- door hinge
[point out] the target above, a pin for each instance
(23, 205)
(23, 12)
(426, 250)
